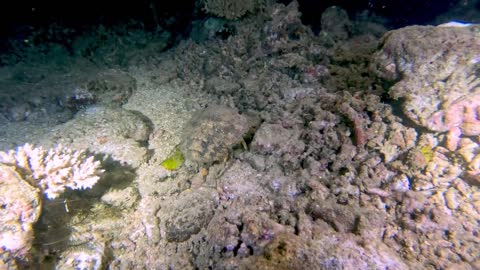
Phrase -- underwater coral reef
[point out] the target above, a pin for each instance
(254, 143)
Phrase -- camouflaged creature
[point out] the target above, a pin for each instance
(210, 135)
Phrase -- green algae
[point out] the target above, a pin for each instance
(174, 161)
(427, 153)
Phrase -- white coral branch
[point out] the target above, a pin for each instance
(55, 169)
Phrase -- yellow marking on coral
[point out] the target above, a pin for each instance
(427, 152)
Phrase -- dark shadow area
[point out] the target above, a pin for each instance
(397, 13)
(53, 231)
(21, 19)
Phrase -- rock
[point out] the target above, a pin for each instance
(20, 209)
(189, 213)
(210, 135)
(286, 251)
(86, 257)
(124, 198)
(436, 72)
(220, 86)
(108, 130)
(106, 88)
(426, 51)
(273, 139)
(18, 112)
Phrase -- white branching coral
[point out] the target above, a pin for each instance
(53, 170)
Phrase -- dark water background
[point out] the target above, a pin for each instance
(20, 17)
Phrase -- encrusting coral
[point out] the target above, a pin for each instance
(53, 170)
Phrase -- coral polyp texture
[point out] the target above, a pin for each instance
(53, 170)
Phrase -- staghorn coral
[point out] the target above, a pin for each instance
(53, 170)
(232, 9)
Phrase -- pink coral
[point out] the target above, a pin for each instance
(461, 117)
